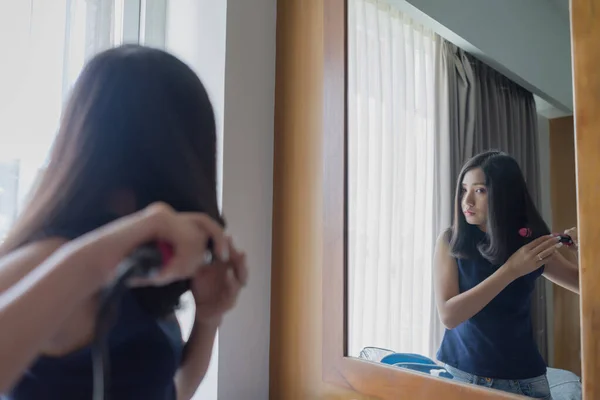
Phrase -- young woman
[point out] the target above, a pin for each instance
(134, 161)
(485, 272)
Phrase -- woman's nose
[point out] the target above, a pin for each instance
(469, 199)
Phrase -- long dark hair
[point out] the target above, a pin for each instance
(510, 208)
(138, 119)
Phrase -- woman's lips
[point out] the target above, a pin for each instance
(469, 213)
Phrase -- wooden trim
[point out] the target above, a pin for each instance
(363, 377)
(563, 184)
(334, 187)
(585, 31)
(295, 339)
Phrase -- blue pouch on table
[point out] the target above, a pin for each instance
(396, 358)
(435, 370)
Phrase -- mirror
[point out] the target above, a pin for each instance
(430, 89)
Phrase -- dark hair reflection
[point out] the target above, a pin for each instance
(510, 208)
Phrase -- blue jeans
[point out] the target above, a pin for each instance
(537, 388)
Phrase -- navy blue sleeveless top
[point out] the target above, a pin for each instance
(498, 341)
(145, 354)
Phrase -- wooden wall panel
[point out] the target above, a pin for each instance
(585, 30)
(567, 332)
(296, 295)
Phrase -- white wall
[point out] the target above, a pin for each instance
(527, 40)
(231, 45)
(195, 32)
(248, 192)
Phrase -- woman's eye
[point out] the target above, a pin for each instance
(480, 190)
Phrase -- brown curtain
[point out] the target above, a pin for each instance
(489, 111)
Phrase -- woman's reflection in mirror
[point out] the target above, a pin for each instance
(484, 276)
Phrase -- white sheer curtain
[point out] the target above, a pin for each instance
(393, 180)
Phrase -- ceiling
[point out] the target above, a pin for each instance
(551, 41)
(543, 107)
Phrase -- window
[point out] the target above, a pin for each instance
(45, 45)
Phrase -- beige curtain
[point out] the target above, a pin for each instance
(489, 111)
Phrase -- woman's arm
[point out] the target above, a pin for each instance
(454, 307)
(42, 283)
(14, 266)
(215, 288)
(564, 269)
(32, 310)
(196, 358)
(563, 272)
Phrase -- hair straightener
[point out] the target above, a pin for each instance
(565, 239)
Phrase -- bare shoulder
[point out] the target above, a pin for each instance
(443, 254)
(18, 263)
(443, 240)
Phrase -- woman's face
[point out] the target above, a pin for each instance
(474, 202)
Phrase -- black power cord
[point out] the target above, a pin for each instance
(143, 262)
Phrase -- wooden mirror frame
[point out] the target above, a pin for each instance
(386, 382)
